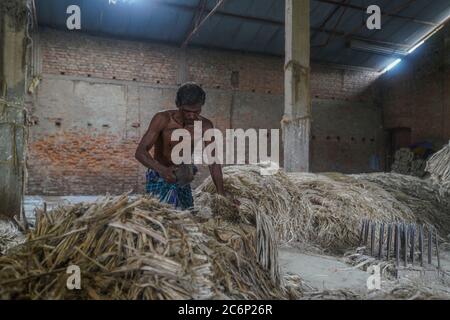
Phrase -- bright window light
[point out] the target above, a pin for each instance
(113, 2)
(416, 46)
(425, 38)
(392, 65)
(445, 19)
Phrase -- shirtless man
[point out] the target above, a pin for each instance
(161, 175)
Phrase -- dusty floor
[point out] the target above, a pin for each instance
(33, 202)
(318, 271)
(322, 272)
(329, 273)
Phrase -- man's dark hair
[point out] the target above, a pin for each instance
(189, 94)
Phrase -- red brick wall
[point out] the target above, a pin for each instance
(416, 94)
(82, 163)
(81, 55)
(348, 85)
(80, 157)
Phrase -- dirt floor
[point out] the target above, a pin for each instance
(322, 272)
(328, 273)
(33, 202)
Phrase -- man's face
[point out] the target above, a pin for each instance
(191, 113)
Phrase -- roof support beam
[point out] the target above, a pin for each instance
(198, 14)
(328, 18)
(277, 23)
(377, 49)
(199, 24)
(393, 15)
(355, 37)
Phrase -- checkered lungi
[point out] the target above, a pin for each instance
(178, 196)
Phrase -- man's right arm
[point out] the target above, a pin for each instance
(142, 154)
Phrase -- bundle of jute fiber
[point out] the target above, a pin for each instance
(229, 225)
(125, 250)
(439, 168)
(406, 289)
(325, 210)
(337, 204)
(274, 196)
(266, 241)
(403, 159)
(238, 272)
(334, 295)
(418, 168)
(359, 259)
(136, 249)
(410, 289)
(420, 195)
(10, 236)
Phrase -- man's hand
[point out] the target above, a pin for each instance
(167, 173)
(234, 201)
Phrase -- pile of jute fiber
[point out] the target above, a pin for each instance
(138, 248)
(326, 210)
(439, 168)
(10, 236)
(275, 196)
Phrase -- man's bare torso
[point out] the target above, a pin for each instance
(164, 144)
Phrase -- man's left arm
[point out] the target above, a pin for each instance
(215, 169)
(216, 174)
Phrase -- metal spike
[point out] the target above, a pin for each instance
(405, 241)
(389, 239)
(430, 244)
(361, 235)
(372, 239)
(400, 240)
(397, 244)
(421, 245)
(366, 235)
(437, 251)
(381, 241)
(413, 242)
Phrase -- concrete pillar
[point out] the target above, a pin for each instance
(446, 83)
(12, 114)
(296, 123)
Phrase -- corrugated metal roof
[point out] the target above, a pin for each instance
(256, 25)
